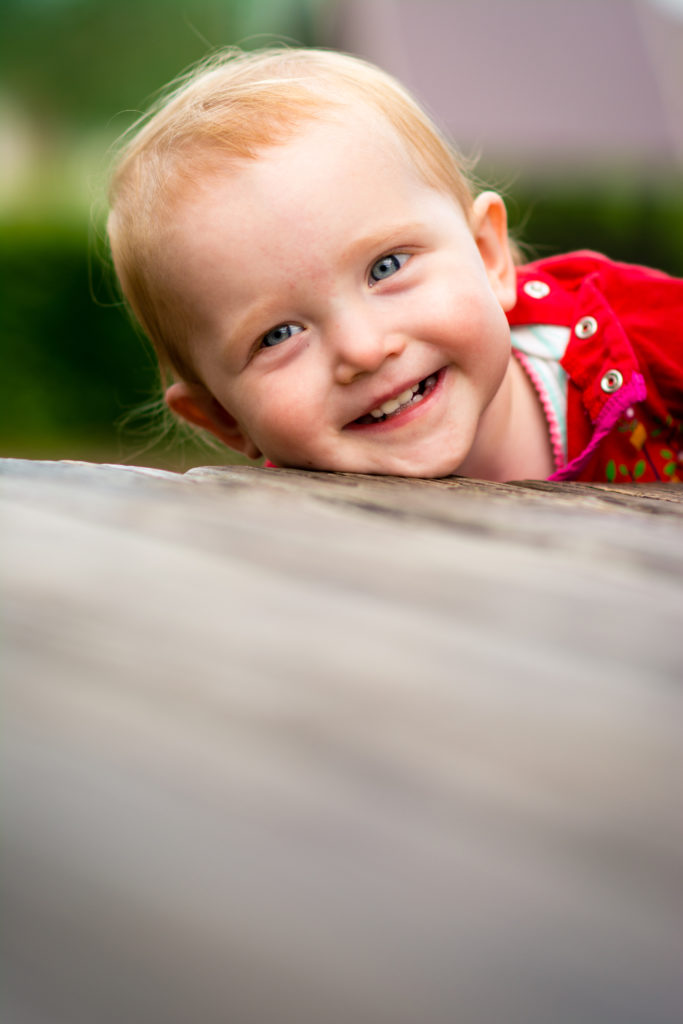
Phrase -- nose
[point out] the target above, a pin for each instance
(359, 344)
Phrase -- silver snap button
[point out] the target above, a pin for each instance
(586, 327)
(536, 289)
(612, 381)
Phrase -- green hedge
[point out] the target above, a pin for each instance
(636, 224)
(73, 366)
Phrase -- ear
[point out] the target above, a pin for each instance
(490, 229)
(194, 403)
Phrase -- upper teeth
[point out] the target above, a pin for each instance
(392, 404)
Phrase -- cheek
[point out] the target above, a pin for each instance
(454, 293)
(469, 322)
(282, 416)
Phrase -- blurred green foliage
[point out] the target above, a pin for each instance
(73, 367)
(637, 221)
(82, 61)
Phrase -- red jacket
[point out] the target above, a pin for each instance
(624, 363)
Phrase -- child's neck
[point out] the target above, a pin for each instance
(515, 440)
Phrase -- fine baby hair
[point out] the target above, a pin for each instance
(324, 285)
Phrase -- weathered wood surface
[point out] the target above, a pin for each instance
(286, 747)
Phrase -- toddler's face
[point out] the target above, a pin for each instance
(345, 313)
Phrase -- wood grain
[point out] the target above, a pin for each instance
(283, 746)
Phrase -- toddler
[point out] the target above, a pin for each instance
(323, 287)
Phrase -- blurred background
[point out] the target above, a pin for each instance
(574, 109)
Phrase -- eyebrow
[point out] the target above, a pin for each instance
(382, 239)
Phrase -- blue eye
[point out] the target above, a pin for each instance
(388, 265)
(279, 334)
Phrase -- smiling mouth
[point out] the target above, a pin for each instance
(393, 406)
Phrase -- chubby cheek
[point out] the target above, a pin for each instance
(288, 411)
(475, 334)
(286, 429)
(455, 298)
(484, 318)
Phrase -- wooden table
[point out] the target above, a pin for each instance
(293, 747)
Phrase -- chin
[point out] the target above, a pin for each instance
(417, 469)
(427, 474)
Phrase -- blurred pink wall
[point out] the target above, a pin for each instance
(535, 83)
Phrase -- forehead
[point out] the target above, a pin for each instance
(352, 152)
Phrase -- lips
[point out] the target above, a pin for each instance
(398, 403)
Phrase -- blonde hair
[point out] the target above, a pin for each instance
(233, 105)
